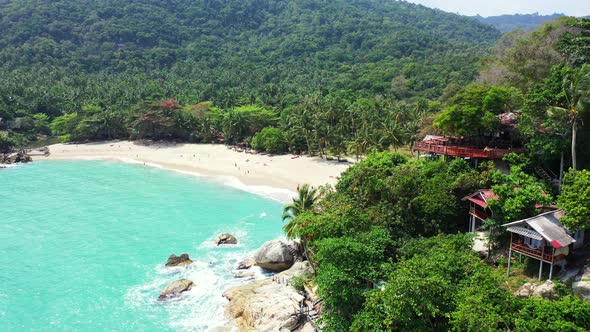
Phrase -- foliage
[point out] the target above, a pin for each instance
(518, 195)
(347, 266)
(270, 139)
(473, 110)
(306, 199)
(507, 23)
(522, 59)
(367, 181)
(575, 200)
(7, 143)
(482, 304)
(380, 203)
(569, 313)
(421, 288)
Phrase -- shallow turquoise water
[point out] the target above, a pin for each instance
(83, 243)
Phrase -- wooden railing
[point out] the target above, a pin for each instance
(536, 253)
(463, 152)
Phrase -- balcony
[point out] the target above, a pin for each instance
(463, 152)
(536, 253)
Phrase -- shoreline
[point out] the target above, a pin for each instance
(272, 176)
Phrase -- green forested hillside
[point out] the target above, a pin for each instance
(57, 56)
(507, 23)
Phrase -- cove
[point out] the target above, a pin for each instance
(83, 245)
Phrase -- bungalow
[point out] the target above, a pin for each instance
(541, 237)
(478, 208)
(493, 145)
(479, 211)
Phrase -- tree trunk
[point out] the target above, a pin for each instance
(560, 173)
(574, 132)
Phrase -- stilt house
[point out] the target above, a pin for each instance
(541, 237)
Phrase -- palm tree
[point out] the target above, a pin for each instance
(576, 88)
(306, 199)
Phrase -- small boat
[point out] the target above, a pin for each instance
(295, 157)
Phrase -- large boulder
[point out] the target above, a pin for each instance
(174, 289)
(226, 238)
(581, 285)
(525, 290)
(546, 290)
(181, 260)
(271, 304)
(274, 255)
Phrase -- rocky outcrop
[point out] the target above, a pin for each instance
(15, 157)
(581, 284)
(525, 290)
(174, 289)
(226, 238)
(181, 260)
(246, 264)
(546, 290)
(275, 255)
(270, 304)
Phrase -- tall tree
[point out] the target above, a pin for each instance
(575, 200)
(576, 89)
(307, 197)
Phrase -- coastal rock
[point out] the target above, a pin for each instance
(226, 238)
(581, 285)
(298, 269)
(268, 305)
(15, 157)
(274, 255)
(525, 290)
(546, 290)
(181, 260)
(174, 289)
(246, 264)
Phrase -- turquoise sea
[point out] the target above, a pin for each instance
(83, 246)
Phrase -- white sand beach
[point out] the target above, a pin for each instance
(277, 176)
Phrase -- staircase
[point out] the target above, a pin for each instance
(547, 175)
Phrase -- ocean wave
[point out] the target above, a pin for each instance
(277, 194)
(9, 165)
(201, 308)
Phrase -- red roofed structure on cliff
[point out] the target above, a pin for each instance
(542, 237)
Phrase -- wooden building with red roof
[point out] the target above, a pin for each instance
(542, 237)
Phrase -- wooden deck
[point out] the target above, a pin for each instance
(536, 253)
(463, 152)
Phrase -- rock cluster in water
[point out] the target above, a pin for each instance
(174, 289)
(181, 260)
(15, 157)
(226, 238)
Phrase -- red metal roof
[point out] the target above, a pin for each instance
(478, 201)
(482, 197)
